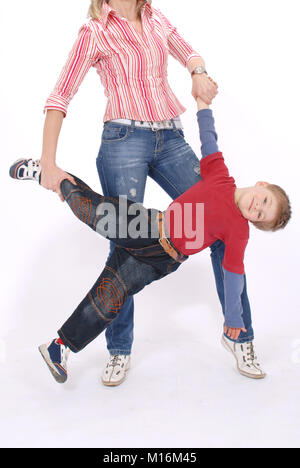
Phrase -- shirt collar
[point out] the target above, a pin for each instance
(107, 11)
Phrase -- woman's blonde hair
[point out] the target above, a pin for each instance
(96, 7)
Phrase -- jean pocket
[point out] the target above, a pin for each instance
(113, 133)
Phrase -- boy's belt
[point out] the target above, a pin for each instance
(165, 242)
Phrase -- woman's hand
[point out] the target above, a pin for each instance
(233, 333)
(52, 176)
(204, 88)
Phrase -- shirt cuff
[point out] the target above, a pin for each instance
(191, 56)
(56, 102)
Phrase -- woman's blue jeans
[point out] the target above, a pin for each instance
(127, 156)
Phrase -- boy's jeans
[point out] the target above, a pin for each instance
(126, 157)
(134, 263)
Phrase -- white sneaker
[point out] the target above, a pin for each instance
(115, 370)
(245, 358)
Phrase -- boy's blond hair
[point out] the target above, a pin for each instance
(283, 214)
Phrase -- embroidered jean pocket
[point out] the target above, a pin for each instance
(113, 133)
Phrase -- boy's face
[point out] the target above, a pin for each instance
(258, 203)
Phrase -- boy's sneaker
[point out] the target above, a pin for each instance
(115, 370)
(55, 356)
(25, 169)
(246, 359)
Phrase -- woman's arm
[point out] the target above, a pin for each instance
(83, 56)
(52, 128)
(51, 175)
(202, 85)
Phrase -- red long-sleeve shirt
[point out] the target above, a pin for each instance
(217, 217)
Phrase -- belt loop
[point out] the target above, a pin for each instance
(173, 123)
(132, 126)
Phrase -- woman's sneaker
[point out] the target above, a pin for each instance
(246, 359)
(115, 370)
(55, 356)
(26, 169)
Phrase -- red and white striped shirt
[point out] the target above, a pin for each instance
(132, 67)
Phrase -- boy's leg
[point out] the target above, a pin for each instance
(119, 334)
(123, 276)
(126, 223)
(88, 206)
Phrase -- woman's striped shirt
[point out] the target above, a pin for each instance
(132, 67)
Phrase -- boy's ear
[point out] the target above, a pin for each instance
(261, 184)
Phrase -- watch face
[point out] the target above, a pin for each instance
(199, 70)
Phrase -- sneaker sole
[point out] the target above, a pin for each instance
(246, 374)
(57, 376)
(107, 383)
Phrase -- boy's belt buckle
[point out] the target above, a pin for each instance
(165, 243)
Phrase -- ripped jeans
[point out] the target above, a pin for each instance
(135, 262)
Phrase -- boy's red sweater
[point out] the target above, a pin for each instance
(222, 218)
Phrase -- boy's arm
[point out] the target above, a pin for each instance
(234, 284)
(208, 135)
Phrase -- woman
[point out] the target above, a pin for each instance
(128, 42)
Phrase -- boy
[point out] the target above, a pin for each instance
(159, 247)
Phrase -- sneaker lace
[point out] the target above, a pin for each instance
(33, 166)
(114, 360)
(251, 353)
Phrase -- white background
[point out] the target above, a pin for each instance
(183, 389)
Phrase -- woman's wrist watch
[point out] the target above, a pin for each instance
(198, 70)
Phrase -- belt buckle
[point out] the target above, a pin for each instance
(160, 241)
(153, 127)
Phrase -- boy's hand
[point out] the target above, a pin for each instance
(201, 104)
(233, 333)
